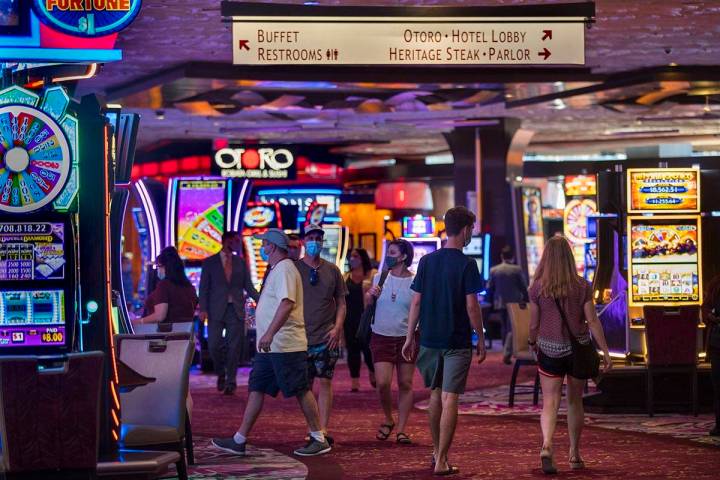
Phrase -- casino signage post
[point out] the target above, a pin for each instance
(315, 35)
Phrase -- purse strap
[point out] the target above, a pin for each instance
(381, 282)
(564, 318)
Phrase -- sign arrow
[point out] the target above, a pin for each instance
(243, 45)
(547, 34)
(545, 53)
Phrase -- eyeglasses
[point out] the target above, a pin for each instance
(314, 276)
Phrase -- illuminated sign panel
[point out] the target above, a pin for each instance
(87, 18)
(257, 164)
(657, 190)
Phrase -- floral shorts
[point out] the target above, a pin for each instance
(321, 361)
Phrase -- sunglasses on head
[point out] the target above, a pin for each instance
(314, 276)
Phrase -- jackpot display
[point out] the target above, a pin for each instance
(418, 227)
(32, 318)
(533, 227)
(658, 190)
(200, 214)
(664, 260)
(32, 251)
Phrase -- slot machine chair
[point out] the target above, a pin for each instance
(671, 338)
(50, 417)
(520, 323)
(154, 416)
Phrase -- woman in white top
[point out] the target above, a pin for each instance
(388, 336)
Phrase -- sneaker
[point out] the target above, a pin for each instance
(313, 448)
(229, 445)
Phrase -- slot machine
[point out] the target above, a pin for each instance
(420, 232)
(580, 195)
(258, 217)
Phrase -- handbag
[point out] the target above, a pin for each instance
(585, 359)
(364, 330)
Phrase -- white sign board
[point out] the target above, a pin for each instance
(411, 42)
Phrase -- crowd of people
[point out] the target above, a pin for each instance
(308, 312)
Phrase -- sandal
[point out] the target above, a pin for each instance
(403, 439)
(450, 471)
(547, 462)
(576, 463)
(382, 435)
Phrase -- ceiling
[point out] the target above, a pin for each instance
(652, 69)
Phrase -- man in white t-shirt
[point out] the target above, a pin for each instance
(281, 361)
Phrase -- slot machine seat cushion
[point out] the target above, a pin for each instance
(519, 314)
(135, 434)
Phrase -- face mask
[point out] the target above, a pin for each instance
(391, 261)
(468, 238)
(264, 254)
(161, 273)
(312, 248)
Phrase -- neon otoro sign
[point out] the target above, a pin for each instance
(260, 164)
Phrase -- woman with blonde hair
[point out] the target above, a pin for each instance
(556, 292)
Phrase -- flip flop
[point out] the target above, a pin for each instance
(403, 439)
(382, 435)
(450, 471)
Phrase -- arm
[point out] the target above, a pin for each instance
(159, 314)
(335, 336)
(413, 318)
(534, 323)
(281, 316)
(204, 298)
(475, 314)
(597, 332)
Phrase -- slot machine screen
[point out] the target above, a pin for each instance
(32, 251)
(422, 248)
(32, 318)
(200, 217)
(331, 244)
(418, 227)
(664, 261)
(193, 274)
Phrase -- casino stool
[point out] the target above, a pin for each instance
(520, 324)
(37, 408)
(671, 338)
(154, 416)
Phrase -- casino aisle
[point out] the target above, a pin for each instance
(490, 440)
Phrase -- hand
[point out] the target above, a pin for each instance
(335, 338)
(375, 291)
(482, 353)
(408, 348)
(607, 362)
(265, 342)
(203, 316)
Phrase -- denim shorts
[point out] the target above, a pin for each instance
(277, 371)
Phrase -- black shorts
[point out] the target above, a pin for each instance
(321, 361)
(554, 367)
(276, 371)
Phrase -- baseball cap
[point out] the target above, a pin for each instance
(274, 236)
(313, 227)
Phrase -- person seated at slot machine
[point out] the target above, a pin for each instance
(173, 299)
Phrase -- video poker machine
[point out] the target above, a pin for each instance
(55, 238)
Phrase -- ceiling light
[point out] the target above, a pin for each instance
(439, 159)
(358, 164)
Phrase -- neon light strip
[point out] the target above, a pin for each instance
(300, 191)
(60, 55)
(486, 257)
(170, 212)
(228, 206)
(149, 208)
(241, 203)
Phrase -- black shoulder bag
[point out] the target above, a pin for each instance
(585, 359)
(368, 316)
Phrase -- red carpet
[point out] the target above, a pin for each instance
(501, 446)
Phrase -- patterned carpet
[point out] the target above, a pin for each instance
(490, 440)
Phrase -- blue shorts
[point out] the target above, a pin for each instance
(276, 371)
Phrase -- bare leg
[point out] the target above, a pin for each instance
(310, 409)
(383, 374)
(252, 411)
(551, 390)
(435, 412)
(575, 415)
(325, 401)
(405, 374)
(448, 421)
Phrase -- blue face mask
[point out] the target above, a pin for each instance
(264, 255)
(313, 248)
(390, 262)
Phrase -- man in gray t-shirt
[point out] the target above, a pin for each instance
(324, 308)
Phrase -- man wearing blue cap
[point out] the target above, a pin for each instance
(281, 361)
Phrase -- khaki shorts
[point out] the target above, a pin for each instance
(445, 368)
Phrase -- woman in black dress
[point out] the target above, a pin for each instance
(358, 283)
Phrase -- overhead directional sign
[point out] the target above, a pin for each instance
(302, 35)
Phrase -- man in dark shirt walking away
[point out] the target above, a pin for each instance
(447, 308)
(507, 285)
